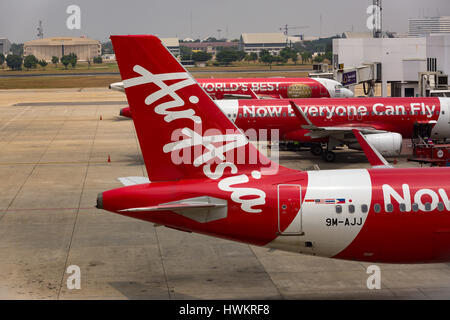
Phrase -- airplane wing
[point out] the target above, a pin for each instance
(175, 207)
(131, 181)
(251, 95)
(321, 132)
(201, 209)
(374, 157)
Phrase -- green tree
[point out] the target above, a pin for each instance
(42, 63)
(2, 59)
(319, 58)
(294, 57)
(98, 60)
(65, 60)
(55, 61)
(286, 53)
(226, 56)
(253, 56)
(266, 57)
(201, 56)
(185, 53)
(30, 62)
(14, 62)
(73, 59)
(17, 49)
(306, 56)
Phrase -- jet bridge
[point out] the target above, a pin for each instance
(367, 74)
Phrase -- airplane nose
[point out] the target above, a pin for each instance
(100, 200)
(347, 93)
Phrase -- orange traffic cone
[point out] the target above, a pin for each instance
(101, 117)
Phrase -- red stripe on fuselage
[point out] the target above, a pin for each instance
(388, 114)
(269, 87)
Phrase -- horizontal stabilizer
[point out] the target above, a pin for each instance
(374, 157)
(177, 206)
(131, 181)
(201, 209)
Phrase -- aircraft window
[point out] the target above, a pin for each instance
(240, 115)
(229, 115)
(415, 207)
(351, 208)
(284, 207)
(338, 209)
(245, 115)
(389, 207)
(284, 114)
(440, 206)
(234, 115)
(402, 207)
(443, 112)
(377, 208)
(428, 206)
(364, 208)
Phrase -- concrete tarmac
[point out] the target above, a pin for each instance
(53, 162)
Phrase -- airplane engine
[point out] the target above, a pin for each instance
(388, 144)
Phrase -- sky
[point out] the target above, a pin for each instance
(169, 18)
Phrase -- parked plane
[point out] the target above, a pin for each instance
(385, 121)
(272, 88)
(203, 179)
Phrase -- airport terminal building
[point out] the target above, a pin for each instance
(173, 44)
(406, 64)
(255, 42)
(85, 49)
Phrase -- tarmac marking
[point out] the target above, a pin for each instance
(14, 118)
(70, 103)
(45, 209)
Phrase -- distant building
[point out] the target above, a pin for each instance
(255, 42)
(357, 35)
(5, 45)
(399, 60)
(173, 44)
(425, 26)
(210, 47)
(85, 49)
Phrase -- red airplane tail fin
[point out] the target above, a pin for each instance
(181, 131)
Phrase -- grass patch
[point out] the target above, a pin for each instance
(57, 82)
(47, 82)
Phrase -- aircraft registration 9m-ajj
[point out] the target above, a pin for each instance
(269, 88)
(207, 178)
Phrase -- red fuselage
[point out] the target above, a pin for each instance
(406, 218)
(265, 87)
(398, 115)
(268, 88)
